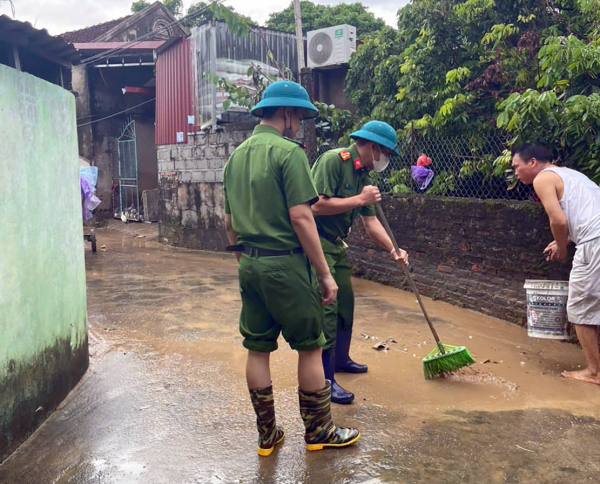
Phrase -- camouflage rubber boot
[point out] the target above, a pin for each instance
(315, 408)
(269, 435)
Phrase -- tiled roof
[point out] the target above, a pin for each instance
(89, 34)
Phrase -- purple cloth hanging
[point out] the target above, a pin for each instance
(422, 176)
(89, 201)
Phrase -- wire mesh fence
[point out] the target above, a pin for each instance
(459, 167)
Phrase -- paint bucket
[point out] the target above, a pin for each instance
(547, 309)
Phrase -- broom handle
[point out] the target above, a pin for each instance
(408, 276)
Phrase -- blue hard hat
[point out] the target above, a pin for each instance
(379, 132)
(285, 94)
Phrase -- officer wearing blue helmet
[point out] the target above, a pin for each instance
(284, 277)
(342, 180)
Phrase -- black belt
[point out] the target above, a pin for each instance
(254, 251)
(330, 238)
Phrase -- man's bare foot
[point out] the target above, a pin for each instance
(583, 375)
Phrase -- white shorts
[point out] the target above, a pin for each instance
(583, 306)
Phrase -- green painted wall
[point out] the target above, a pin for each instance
(43, 331)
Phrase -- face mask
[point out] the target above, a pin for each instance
(382, 163)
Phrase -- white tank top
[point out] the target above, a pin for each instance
(580, 203)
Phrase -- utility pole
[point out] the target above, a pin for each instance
(299, 36)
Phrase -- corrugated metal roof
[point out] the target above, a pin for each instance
(174, 94)
(37, 41)
(234, 55)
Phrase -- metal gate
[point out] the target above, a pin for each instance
(129, 197)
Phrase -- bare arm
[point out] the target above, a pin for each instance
(381, 238)
(545, 185)
(377, 233)
(334, 205)
(232, 235)
(306, 229)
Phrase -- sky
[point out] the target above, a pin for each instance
(58, 16)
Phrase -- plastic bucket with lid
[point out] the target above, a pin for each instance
(547, 309)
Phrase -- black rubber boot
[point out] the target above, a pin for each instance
(338, 394)
(343, 362)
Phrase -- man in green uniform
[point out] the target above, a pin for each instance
(284, 277)
(342, 180)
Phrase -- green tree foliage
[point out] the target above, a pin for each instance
(316, 16)
(474, 67)
(173, 6)
(139, 5)
(209, 14)
(332, 125)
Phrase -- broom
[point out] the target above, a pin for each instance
(443, 358)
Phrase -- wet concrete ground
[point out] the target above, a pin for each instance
(165, 400)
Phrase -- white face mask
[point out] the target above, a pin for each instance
(382, 163)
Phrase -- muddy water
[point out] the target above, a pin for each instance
(522, 372)
(165, 399)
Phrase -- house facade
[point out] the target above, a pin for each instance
(116, 89)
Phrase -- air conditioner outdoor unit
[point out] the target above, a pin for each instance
(331, 46)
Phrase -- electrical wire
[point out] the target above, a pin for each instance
(116, 114)
(12, 7)
(95, 59)
(105, 54)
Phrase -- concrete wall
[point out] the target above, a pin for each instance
(82, 102)
(106, 158)
(146, 150)
(43, 332)
(472, 253)
(475, 254)
(106, 98)
(330, 87)
(191, 189)
(100, 95)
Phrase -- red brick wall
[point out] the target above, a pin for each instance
(471, 253)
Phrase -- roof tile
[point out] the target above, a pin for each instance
(89, 34)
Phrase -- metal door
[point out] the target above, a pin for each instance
(129, 197)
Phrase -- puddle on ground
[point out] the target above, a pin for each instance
(166, 390)
(472, 375)
(521, 373)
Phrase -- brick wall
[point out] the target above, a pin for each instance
(471, 253)
(191, 188)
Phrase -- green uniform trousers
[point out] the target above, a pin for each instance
(280, 295)
(339, 314)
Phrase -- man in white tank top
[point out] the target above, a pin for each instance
(572, 202)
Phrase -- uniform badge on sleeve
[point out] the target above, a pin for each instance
(345, 155)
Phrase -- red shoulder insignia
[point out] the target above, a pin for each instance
(345, 155)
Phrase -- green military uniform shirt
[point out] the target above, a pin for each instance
(338, 177)
(265, 177)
